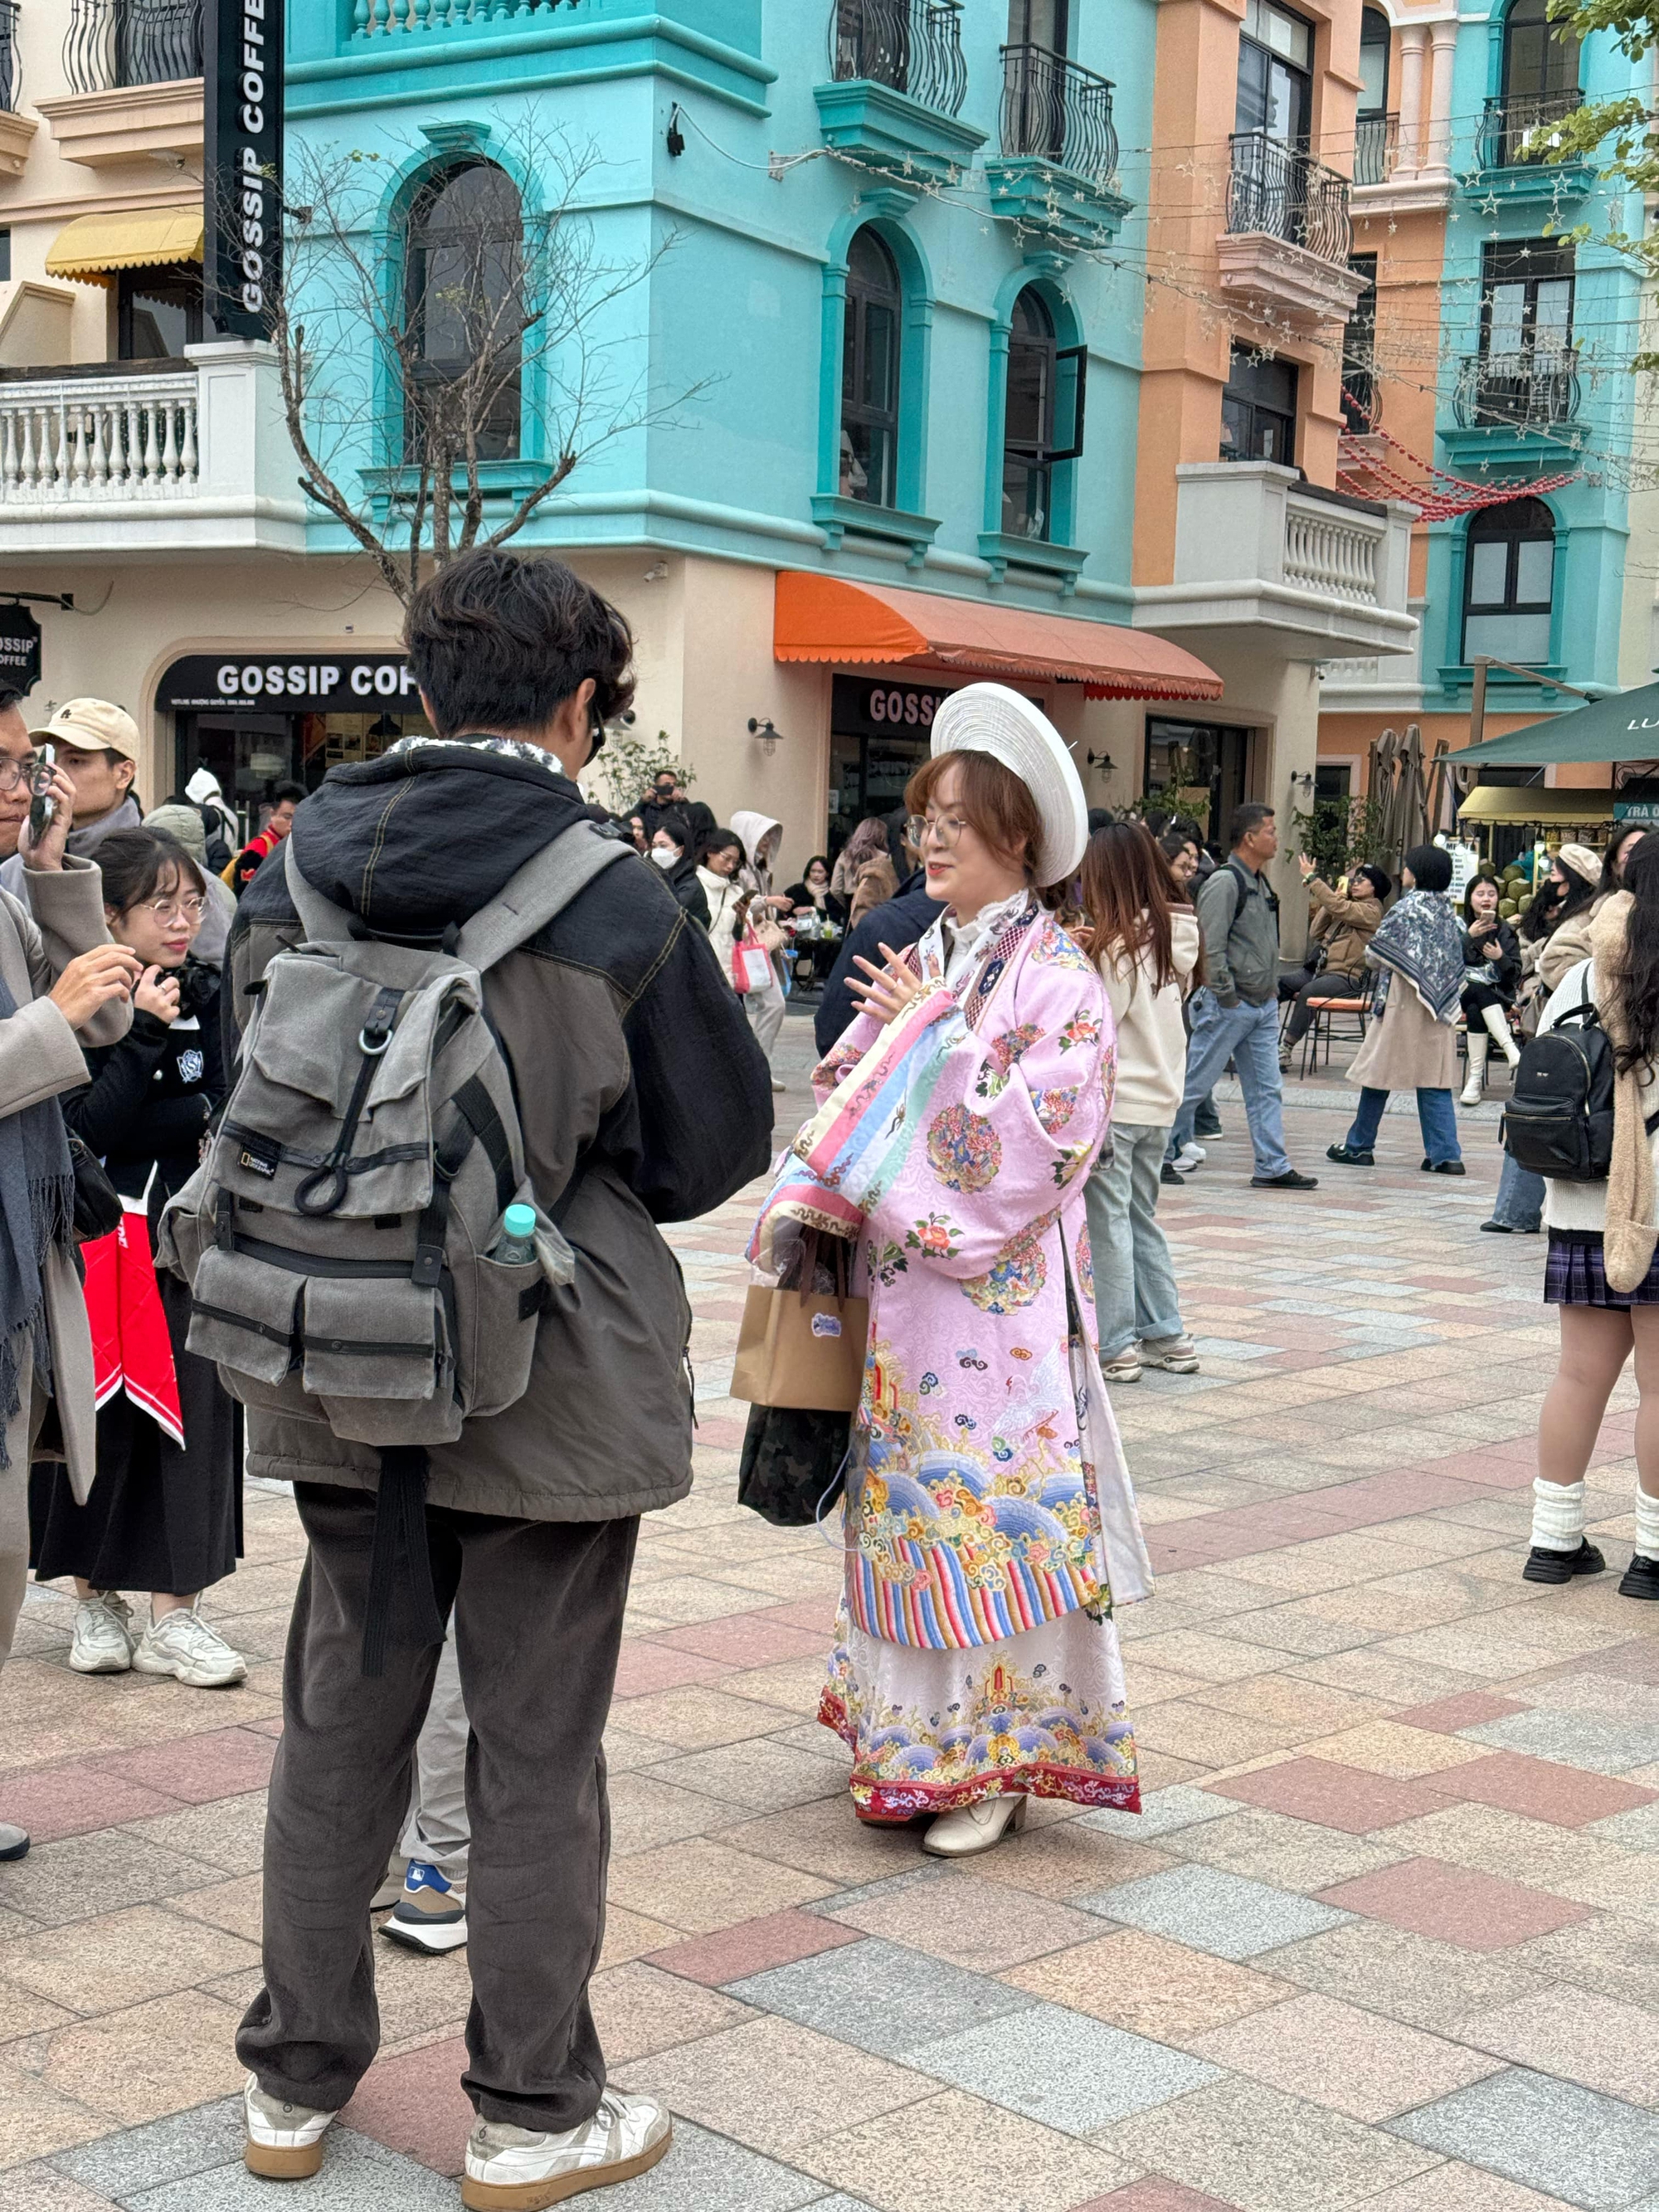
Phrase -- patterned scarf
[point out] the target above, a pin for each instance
(37, 1210)
(1419, 939)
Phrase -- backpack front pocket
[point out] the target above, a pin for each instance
(244, 1316)
(382, 1337)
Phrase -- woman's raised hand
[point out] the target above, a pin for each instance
(891, 988)
(157, 994)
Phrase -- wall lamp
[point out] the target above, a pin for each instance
(1102, 761)
(766, 730)
(1304, 781)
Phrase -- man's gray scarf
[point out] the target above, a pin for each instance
(37, 1210)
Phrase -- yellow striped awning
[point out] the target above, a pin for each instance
(132, 238)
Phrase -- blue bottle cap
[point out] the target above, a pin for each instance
(520, 1221)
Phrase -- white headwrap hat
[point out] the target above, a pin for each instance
(989, 718)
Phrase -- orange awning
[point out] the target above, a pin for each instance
(825, 618)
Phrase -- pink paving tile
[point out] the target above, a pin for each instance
(272, 1726)
(645, 1667)
(815, 1614)
(416, 2105)
(1478, 1912)
(1153, 2195)
(1543, 1790)
(718, 1429)
(55, 1801)
(1446, 1716)
(745, 1639)
(1333, 1795)
(222, 1763)
(775, 1940)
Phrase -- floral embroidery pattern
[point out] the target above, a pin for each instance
(963, 1150)
(938, 1238)
(1065, 1168)
(1000, 1056)
(1055, 1109)
(1054, 949)
(1017, 1274)
(888, 1263)
(1083, 1259)
(1082, 1029)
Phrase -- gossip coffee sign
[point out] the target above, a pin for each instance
(309, 684)
(242, 60)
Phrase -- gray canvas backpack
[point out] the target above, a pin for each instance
(337, 1237)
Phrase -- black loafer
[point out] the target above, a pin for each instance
(1498, 1228)
(1640, 1578)
(1351, 1156)
(1167, 1173)
(1289, 1181)
(1546, 1566)
(1444, 1166)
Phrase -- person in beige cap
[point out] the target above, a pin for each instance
(96, 743)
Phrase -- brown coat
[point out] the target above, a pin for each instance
(1344, 926)
(876, 882)
(1407, 1049)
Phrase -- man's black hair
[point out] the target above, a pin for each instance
(9, 696)
(499, 644)
(279, 792)
(1243, 819)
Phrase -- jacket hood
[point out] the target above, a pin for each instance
(202, 787)
(416, 840)
(83, 843)
(752, 828)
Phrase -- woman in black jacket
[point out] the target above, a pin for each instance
(671, 850)
(1491, 955)
(164, 1514)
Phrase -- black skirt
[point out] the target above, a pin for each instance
(1574, 1275)
(157, 1518)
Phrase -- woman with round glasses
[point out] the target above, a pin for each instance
(164, 1515)
(989, 1527)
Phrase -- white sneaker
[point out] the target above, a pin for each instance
(180, 1644)
(284, 2142)
(1176, 1355)
(514, 2167)
(975, 1828)
(1126, 1368)
(430, 1913)
(1193, 1155)
(103, 1635)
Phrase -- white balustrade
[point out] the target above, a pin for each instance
(1326, 551)
(99, 439)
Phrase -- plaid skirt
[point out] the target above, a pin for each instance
(1574, 1275)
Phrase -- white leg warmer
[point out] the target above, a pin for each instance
(1557, 1515)
(1647, 1525)
(1497, 1022)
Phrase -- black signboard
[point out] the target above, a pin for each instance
(875, 707)
(242, 61)
(19, 649)
(296, 684)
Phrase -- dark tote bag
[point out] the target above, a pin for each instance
(793, 1464)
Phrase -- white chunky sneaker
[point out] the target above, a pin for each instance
(975, 1828)
(515, 2170)
(180, 1644)
(103, 1635)
(1123, 1367)
(1176, 1355)
(284, 2142)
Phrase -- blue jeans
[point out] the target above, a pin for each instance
(1436, 1117)
(1247, 1036)
(1520, 1198)
(1135, 1294)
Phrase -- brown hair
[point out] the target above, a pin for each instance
(1129, 893)
(992, 799)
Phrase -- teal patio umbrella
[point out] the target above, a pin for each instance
(1623, 727)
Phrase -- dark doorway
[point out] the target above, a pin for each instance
(1197, 768)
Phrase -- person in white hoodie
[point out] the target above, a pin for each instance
(761, 836)
(1146, 943)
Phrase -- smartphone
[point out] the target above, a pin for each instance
(42, 804)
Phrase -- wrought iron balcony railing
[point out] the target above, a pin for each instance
(1507, 125)
(1376, 148)
(11, 70)
(1285, 192)
(912, 46)
(1059, 112)
(1520, 391)
(112, 43)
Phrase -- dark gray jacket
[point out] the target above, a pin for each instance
(626, 1043)
(1238, 914)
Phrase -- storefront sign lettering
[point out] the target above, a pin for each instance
(19, 649)
(862, 707)
(312, 686)
(243, 164)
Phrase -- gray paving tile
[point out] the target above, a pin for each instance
(54, 1883)
(166, 2150)
(705, 2173)
(1636, 1830)
(1573, 1739)
(1552, 2135)
(889, 1886)
(1060, 2068)
(1166, 1809)
(1213, 1910)
(357, 2176)
(880, 1996)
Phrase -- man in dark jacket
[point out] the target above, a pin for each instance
(905, 920)
(637, 1078)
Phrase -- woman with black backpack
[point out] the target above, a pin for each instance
(1601, 1271)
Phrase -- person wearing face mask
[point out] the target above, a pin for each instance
(164, 1515)
(96, 746)
(725, 897)
(670, 851)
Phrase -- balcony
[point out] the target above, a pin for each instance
(1376, 148)
(135, 70)
(138, 458)
(1057, 173)
(1515, 407)
(897, 82)
(1319, 575)
(1285, 252)
(1514, 143)
(16, 131)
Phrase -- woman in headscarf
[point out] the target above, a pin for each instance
(1412, 1042)
(989, 1524)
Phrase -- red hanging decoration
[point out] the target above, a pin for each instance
(1443, 495)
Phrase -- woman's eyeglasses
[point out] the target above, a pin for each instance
(943, 828)
(190, 908)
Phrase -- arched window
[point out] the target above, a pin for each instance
(1374, 36)
(1508, 584)
(870, 373)
(1042, 421)
(463, 316)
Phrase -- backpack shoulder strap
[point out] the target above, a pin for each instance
(323, 922)
(541, 888)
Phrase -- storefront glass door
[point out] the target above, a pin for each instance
(1197, 768)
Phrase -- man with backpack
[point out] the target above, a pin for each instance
(616, 1086)
(1236, 1016)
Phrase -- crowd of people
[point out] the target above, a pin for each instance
(1019, 1040)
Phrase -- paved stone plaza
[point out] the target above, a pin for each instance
(1387, 1934)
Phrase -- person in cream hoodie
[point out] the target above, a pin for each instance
(1149, 951)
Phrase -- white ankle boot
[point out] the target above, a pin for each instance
(1497, 1022)
(977, 1827)
(1478, 1047)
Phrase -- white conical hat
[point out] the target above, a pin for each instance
(989, 718)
